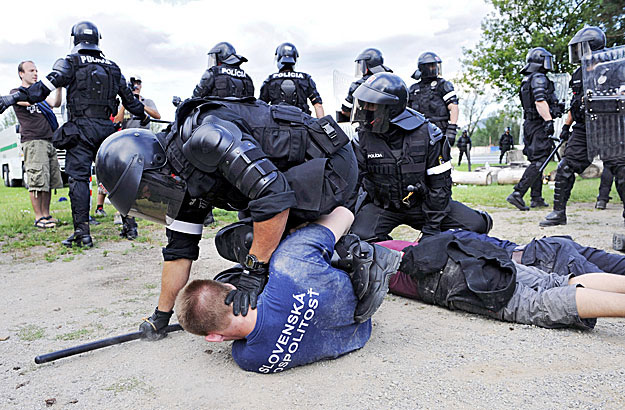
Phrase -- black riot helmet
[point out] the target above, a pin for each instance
(429, 65)
(369, 60)
(286, 55)
(224, 53)
(85, 36)
(378, 100)
(538, 60)
(131, 166)
(507, 130)
(584, 42)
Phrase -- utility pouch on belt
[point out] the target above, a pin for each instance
(66, 137)
(326, 137)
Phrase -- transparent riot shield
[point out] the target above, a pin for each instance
(603, 74)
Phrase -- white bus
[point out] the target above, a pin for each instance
(12, 156)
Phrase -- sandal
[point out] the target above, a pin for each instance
(42, 223)
(49, 218)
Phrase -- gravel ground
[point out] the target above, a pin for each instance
(419, 356)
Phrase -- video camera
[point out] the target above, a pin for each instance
(132, 83)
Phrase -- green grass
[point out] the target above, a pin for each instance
(77, 334)
(18, 234)
(31, 332)
(584, 190)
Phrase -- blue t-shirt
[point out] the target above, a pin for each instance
(306, 311)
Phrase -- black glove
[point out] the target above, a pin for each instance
(565, 134)
(450, 133)
(153, 327)
(176, 100)
(145, 121)
(549, 130)
(8, 100)
(245, 296)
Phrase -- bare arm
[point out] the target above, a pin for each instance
(55, 98)
(543, 110)
(319, 110)
(152, 112)
(453, 113)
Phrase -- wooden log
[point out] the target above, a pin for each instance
(510, 175)
(471, 178)
(594, 170)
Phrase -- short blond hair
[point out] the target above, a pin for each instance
(201, 307)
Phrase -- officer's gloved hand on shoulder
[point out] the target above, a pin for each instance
(245, 296)
(565, 134)
(549, 129)
(145, 121)
(176, 100)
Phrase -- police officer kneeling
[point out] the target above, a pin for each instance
(275, 162)
(93, 82)
(403, 168)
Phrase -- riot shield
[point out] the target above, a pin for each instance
(603, 74)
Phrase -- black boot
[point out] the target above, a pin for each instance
(80, 237)
(129, 228)
(601, 204)
(370, 268)
(555, 217)
(538, 203)
(153, 327)
(233, 242)
(516, 199)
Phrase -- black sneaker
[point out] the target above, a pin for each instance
(538, 203)
(100, 213)
(129, 232)
(601, 204)
(554, 218)
(385, 263)
(516, 199)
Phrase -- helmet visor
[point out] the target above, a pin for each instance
(549, 63)
(431, 70)
(159, 197)
(212, 60)
(577, 51)
(372, 117)
(361, 68)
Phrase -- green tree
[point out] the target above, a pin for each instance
(8, 119)
(495, 125)
(519, 25)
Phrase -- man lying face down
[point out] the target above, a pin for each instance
(306, 310)
(481, 274)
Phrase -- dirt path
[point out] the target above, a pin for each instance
(419, 356)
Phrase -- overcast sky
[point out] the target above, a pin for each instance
(165, 42)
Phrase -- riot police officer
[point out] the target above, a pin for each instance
(540, 106)
(464, 145)
(288, 86)
(506, 143)
(233, 155)
(433, 96)
(369, 62)
(575, 159)
(224, 76)
(93, 82)
(403, 168)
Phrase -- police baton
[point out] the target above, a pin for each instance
(99, 344)
(550, 157)
(161, 121)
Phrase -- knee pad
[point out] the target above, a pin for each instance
(565, 170)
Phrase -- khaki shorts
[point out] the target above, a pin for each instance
(41, 166)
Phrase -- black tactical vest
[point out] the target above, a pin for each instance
(390, 172)
(462, 143)
(289, 87)
(577, 102)
(92, 91)
(425, 98)
(505, 141)
(529, 102)
(231, 81)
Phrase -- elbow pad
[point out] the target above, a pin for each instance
(218, 145)
(60, 75)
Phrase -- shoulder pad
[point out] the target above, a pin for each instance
(413, 88)
(539, 80)
(435, 133)
(289, 113)
(355, 85)
(409, 119)
(446, 86)
(62, 65)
